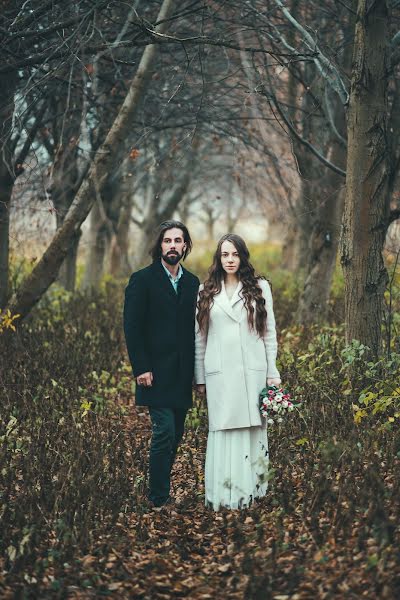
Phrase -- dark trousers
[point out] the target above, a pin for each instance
(168, 426)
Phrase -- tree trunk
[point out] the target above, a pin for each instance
(62, 193)
(323, 244)
(184, 211)
(118, 198)
(7, 90)
(119, 248)
(97, 249)
(309, 166)
(289, 249)
(290, 253)
(366, 206)
(67, 277)
(306, 207)
(6, 185)
(46, 270)
(313, 304)
(210, 224)
(65, 173)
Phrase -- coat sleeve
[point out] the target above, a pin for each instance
(135, 318)
(200, 350)
(270, 341)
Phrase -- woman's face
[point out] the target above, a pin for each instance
(230, 260)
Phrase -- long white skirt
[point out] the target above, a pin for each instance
(236, 467)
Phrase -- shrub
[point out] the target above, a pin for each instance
(64, 446)
(73, 462)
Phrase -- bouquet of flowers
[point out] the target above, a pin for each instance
(275, 402)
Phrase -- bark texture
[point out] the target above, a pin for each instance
(46, 270)
(324, 240)
(366, 203)
(290, 256)
(119, 247)
(7, 90)
(310, 168)
(65, 176)
(98, 240)
(313, 303)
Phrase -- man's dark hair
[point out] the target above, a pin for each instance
(155, 250)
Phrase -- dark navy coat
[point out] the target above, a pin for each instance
(159, 332)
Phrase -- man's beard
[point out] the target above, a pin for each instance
(172, 258)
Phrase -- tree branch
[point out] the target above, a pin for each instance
(331, 120)
(273, 100)
(18, 163)
(207, 41)
(323, 64)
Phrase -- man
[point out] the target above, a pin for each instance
(159, 315)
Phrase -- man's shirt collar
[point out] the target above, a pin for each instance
(173, 281)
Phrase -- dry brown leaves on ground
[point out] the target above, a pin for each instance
(187, 551)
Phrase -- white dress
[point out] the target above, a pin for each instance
(236, 467)
(235, 364)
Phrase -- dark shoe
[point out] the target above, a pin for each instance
(157, 506)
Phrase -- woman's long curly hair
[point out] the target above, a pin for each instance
(251, 291)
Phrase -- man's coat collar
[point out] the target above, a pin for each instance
(165, 281)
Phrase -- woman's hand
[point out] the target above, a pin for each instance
(201, 390)
(274, 381)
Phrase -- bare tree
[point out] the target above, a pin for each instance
(46, 270)
(308, 108)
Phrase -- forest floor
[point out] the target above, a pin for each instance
(74, 519)
(188, 551)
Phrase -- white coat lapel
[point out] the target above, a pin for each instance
(223, 302)
(237, 297)
(238, 309)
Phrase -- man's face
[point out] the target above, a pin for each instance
(173, 246)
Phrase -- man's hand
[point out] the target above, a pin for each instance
(201, 390)
(145, 379)
(274, 381)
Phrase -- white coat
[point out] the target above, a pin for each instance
(234, 362)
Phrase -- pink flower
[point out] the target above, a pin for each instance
(271, 392)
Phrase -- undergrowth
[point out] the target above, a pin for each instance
(73, 458)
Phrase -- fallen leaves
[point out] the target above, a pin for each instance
(188, 551)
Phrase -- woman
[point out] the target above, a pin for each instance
(235, 357)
